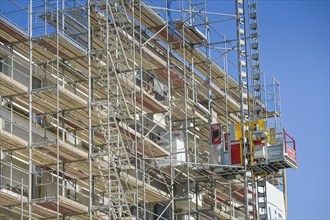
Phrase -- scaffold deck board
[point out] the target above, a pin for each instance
(8, 33)
(45, 101)
(38, 158)
(67, 99)
(153, 194)
(153, 150)
(42, 212)
(9, 86)
(12, 142)
(190, 33)
(9, 198)
(47, 155)
(9, 141)
(38, 105)
(67, 152)
(66, 206)
(65, 48)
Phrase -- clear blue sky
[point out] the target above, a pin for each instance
(295, 46)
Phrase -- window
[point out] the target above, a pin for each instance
(36, 83)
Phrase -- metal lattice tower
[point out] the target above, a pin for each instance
(255, 61)
(257, 90)
(243, 68)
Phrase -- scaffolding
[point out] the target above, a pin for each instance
(108, 110)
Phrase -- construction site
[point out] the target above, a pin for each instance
(138, 109)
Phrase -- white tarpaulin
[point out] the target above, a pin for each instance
(178, 149)
(275, 203)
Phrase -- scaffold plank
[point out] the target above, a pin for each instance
(10, 87)
(9, 141)
(66, 206)
(9, 198)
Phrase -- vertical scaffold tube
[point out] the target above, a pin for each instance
(30, 112)
(90, 145)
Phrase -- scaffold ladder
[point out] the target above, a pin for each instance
(113, 163)
(111, 64)
(113, 24)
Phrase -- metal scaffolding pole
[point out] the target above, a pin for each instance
(30, 112)
(89, 103)
(169, 97)
(58, 114)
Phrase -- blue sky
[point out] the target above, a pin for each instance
(295, 47)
